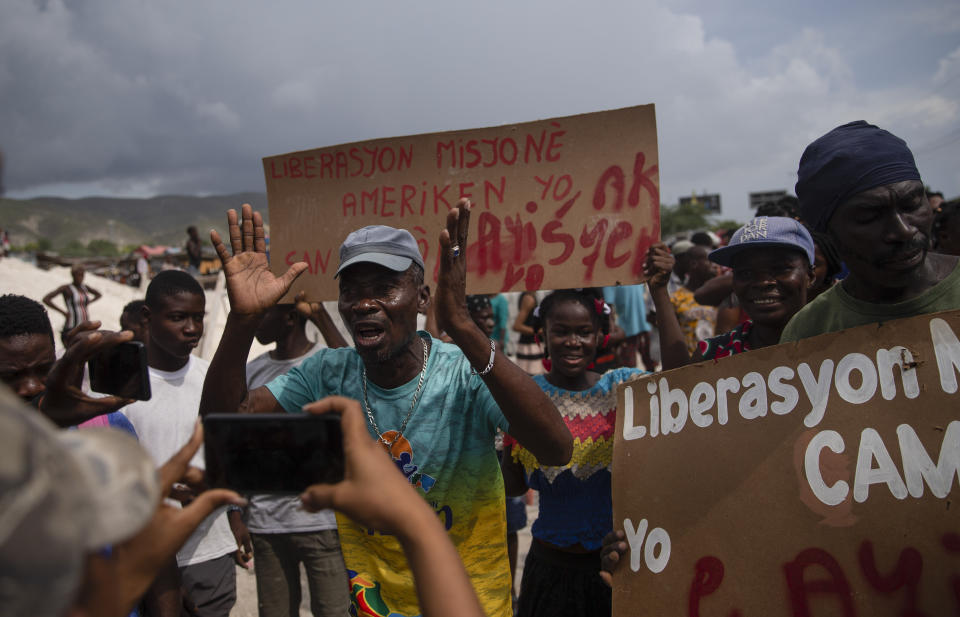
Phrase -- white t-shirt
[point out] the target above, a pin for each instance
(165, 424)
(276, 513)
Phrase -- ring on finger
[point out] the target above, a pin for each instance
(455, 251)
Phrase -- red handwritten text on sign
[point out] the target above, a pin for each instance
(566, 202)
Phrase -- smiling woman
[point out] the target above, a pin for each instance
(772, 260)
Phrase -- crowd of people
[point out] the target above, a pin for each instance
(425, 521)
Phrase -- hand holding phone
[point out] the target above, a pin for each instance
(375, 494)
(121, 370)
(63, 401)
(373, 491)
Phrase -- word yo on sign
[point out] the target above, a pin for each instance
(812, 478)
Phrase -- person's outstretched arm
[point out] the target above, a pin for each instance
(252, 289)
(534, 420)
(514, 480)
(714, 291)
(375, 494)
(673, 349)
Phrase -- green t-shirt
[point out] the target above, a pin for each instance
(835, 309)
(447, 452)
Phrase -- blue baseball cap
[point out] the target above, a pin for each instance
(382, 245)
(777, 231)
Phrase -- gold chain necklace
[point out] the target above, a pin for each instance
(413, 402)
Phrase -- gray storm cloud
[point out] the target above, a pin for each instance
(161, 97)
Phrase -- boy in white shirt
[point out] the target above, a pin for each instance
(173, 310)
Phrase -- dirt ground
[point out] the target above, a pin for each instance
(246, 605)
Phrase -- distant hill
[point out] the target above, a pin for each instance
(123, 221)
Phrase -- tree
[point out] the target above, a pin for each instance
(727, 224)
(74, 248)
(102, 248)
(683, 217)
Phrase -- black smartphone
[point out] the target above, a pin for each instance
(272, 453)
(122, 371)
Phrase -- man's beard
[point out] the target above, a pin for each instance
(388, 355)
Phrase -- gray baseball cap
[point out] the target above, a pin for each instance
(63, 495)
(382, 245)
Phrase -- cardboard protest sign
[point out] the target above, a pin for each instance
(567, 202)
(813, 478)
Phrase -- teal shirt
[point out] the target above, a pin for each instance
(452, 401)
(447, 453)
(835, 309)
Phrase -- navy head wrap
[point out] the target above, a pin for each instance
(850, 159)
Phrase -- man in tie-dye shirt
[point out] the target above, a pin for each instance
(434, 406)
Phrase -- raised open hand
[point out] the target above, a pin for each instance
(659, 265)
(451, 296)
(251, 287)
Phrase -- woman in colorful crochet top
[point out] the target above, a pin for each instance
(772, 260)
(560, 576)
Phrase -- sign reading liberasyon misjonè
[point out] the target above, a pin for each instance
(565, 202)
(812, 478)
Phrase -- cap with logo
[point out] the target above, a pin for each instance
(774, 231)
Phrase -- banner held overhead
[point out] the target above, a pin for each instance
(566, 202)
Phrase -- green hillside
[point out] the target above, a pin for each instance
(123, 221)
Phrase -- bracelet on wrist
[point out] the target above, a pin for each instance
(489, 367)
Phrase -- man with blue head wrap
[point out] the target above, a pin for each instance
(860, 185)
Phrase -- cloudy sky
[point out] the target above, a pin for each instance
(144, 97)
